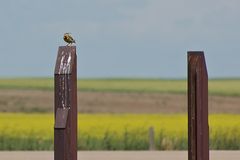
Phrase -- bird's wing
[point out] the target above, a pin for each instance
(71, 39)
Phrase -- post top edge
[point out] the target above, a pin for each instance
(67, 47)
(195, 52)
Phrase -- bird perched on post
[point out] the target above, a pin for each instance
(68, 38)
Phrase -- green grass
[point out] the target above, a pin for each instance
(21, 131)
(223, 87)
(134, 85)
(27, 83)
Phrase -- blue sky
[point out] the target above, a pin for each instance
(120, 38)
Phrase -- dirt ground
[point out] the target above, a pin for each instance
(118, 155)
(111, 102)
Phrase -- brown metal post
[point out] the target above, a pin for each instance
(198, 130)
(65, 99)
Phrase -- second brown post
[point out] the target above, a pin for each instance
(198, 130)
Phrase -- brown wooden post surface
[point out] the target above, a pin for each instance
(198, 130)
(65, 99)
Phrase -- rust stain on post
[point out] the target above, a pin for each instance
(65, 102)
(198, 130)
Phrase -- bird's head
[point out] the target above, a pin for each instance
(66, 34)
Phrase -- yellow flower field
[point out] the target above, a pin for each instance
(21, 131)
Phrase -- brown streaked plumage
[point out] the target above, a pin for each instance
(68, 38)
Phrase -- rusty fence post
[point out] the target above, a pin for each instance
(65, 102)
(198, 130)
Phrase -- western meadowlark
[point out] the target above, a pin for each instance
(68, 38)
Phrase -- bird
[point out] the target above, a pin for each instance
(68, 38)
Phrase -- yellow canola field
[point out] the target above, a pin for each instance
(21, 131)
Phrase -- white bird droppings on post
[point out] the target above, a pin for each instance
(65, 64)
(65, 68)
(61, 64)
(68, 63)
